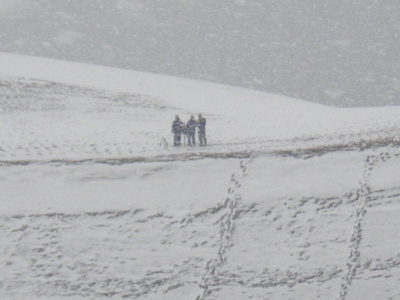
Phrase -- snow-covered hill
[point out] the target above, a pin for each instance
(290, 200)
(343, 53)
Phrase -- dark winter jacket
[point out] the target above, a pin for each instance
(201, 124)
(191, 126)
(177, 126)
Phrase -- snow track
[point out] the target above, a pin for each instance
(227, 230)
(306, 274)
(363, 196)
(152, 254)
(209, 153)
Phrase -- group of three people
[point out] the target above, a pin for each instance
(189, 130)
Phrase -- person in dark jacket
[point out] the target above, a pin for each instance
(201, 125)
(177, 129)
(191, 131)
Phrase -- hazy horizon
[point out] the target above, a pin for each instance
(341, 53)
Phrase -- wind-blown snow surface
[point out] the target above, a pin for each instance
(290, 200)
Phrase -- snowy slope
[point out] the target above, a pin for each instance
(290, 200)
(342, 53)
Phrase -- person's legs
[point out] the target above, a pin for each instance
(177, 139)
(201, 138)
(204, 138)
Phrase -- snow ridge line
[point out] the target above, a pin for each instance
(305, 153)
(362, 196)
(227, 230)
(190, 156)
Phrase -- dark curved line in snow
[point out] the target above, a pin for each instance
(303, 153)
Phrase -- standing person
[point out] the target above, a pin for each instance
(191, 131)
(201, 125)
(177, 129)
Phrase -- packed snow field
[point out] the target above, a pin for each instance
(290, 200)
